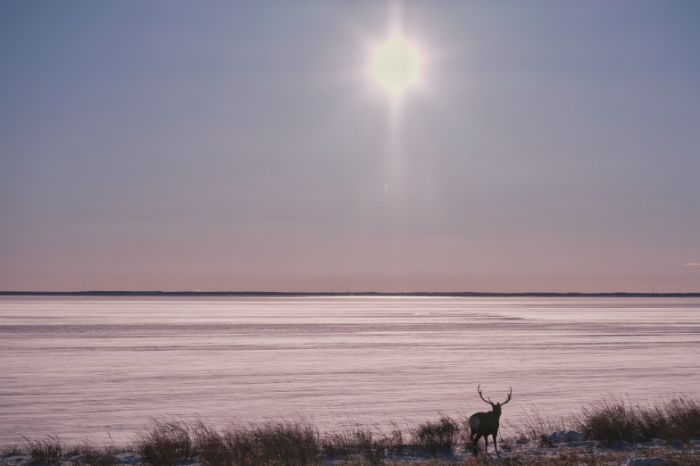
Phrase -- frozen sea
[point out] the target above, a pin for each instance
(89, 368)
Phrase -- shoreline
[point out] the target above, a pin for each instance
(512, 451)
(611, 432)
(565, 454)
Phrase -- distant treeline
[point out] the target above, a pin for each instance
(455, 294)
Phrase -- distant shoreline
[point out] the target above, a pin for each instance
(282, 294)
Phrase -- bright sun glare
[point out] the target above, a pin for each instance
(396, 65)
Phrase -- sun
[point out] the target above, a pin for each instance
(396, 65)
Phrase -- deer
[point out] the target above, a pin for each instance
(485, 424)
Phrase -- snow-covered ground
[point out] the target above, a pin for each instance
(656, 453)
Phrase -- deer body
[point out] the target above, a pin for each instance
(483, 424)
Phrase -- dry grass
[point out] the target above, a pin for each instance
(284, 443)
(12, 450)
(683, 415)
(168, 443)
(92, 456)
(209, 446)
(165, 443)
(615, 421)
(539, 429)
(367, 446)
(278, 444)
(436, 437)
(45, 451)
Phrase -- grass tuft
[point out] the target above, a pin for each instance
(283, 443)
(46, 451)
(611, 421)
(165, 443)
(12, 450)
(371, 447)
(210, 446)
(539, 429)
(436, 437)
(683, 415)
(92, 456)
(615, 421)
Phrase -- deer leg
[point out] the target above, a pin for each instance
(486, 443)
(495, 443)
(477, 436)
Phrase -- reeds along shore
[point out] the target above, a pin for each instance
(445, 441)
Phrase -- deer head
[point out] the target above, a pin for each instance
(496, 407)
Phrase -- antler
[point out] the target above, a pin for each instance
(510, 395)
(481, 395)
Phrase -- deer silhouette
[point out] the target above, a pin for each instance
(485, 424)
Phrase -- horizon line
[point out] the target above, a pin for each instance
(189, 293)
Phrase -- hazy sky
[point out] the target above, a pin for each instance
(175, 145)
